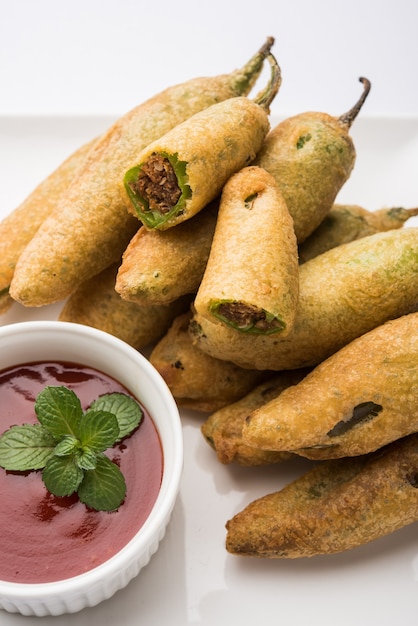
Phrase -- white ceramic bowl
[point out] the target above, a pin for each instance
(26, 342)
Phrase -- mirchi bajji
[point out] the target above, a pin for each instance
(177, 175)
(251, 280)
(18, 228)
(311, 155)
(336, 506)
(346, 223)
(223, 429)
(358, 400)
(159, 266)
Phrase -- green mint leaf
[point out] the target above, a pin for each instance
(26, 447)
(98, 430)
(62, 476)
(103, 488)
(87, 459)
(59, 410)
(128, 412)
(68, 445)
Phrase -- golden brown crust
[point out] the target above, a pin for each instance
(343, 294)
(358, 400)
(346, 223)
(18, 228)
(342, 224)
(158, 267)
(336, 506)
(96, 303)
(251, 276)
(214, 144)
(91, 228)
(223, 429)
(196, 380)
(311, 156)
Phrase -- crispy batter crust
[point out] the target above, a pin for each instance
(336, 506)
(196, 380)
(18, 228)
(223, 429)
(359, 399)
(158, 267)
(343, 294)
(91, 227)
(214, 144)
(311, 156)
(96, 303)
(252, 271)
(346, 223)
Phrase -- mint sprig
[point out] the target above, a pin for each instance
(68, 445)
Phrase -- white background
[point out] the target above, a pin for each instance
(106, 56)
(101, 58)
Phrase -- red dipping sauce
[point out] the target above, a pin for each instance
(45, 538)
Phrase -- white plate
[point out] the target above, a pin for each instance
(192, 580)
